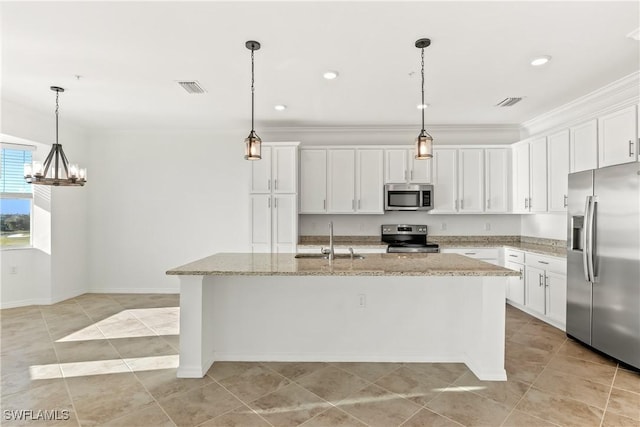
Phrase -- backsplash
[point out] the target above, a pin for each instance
(438, 225)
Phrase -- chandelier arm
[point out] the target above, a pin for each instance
(65, 161)
(47, 162)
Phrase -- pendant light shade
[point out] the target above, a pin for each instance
(252, 144)
(424, 141)
(56, 169)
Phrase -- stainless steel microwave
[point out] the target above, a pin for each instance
(408, 197)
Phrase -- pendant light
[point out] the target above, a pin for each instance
(424, 141)
(56, 169)
(253, 141)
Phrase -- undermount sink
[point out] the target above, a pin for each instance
(325, 256)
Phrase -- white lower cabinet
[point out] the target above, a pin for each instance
(490, 255)
(541, 288)
(274, 223)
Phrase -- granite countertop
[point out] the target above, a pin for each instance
(245, 264)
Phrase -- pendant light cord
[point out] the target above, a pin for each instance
(252, 91)
(424, 106)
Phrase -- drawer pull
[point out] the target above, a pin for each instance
(470, 253)
(513, 256)
(543, 262)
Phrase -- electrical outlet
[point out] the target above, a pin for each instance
(443, 226)
(362, 300)
(487, 226)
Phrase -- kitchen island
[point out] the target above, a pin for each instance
(383, 308)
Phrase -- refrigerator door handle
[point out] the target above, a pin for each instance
(585, 240)
(590, 237)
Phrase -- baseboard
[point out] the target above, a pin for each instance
(172, 290)
(42, 301)
(335, 357)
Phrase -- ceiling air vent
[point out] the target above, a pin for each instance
(508, 102)
(191, 86)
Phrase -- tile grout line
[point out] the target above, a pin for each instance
(64, 379)
(332, 405)
(604, 411)
(553, 354)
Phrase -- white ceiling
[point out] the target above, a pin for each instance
(130, 54)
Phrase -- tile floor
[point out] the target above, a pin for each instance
(111, 360)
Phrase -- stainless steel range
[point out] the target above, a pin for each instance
(403, 238)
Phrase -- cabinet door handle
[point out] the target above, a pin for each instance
(324, 204)
(526, 203)
(456, 204)
(461, 203)
(353, 204)
(411, 174)
(359, 200)
(566, 200)
(269, 202)
(630, 148)
(276, 183)
(546, 284)
(488, 203)
(405, 175)
(268, 184)
(539, 279)
(521, 274)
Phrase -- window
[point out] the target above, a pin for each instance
(16, 197)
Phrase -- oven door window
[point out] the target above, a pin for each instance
(403, 199)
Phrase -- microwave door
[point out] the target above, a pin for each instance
(403, 200)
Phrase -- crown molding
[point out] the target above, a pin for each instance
(395, 128)
(618, 94)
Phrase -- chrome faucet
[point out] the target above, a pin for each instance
(330, 251)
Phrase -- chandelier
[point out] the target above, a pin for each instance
(56, 169)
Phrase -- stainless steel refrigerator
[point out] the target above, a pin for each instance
(603, 260)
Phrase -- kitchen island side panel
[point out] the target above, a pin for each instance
(351, 319)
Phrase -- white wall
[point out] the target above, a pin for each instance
(161, 199)
(56, 268)
(549, 226)
(369, 225)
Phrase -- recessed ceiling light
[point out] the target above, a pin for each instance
(280, 107)
(540, 60)
(422, 106)
(330, 75)
(635, 34)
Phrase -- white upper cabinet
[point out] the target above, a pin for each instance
(401, 166)
(521, 178)
(395, 166)
(558, 162)
(277, 170)
(284, 171)
(445, 183)
(313, 181)
(496, 172)
(538, 166)
(341, 182)
(261, 172)
(369, 181)
(583, 151)
(470, 180)
(618, 139)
